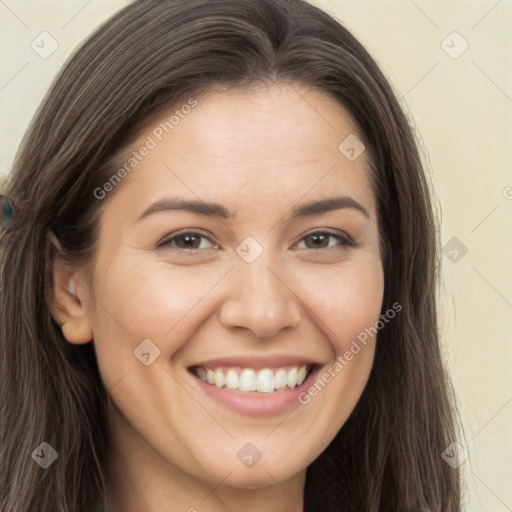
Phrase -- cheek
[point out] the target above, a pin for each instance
(137, 302)
(345, 300)
(139, 294)
(346, 303)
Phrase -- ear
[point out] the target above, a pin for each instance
(67, 302)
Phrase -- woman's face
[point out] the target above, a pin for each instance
(242, 248)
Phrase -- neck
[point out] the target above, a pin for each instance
(140, 479)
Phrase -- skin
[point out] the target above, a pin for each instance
(259, 153)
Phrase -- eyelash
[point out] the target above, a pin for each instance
(343, 239)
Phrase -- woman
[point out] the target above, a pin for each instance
(218, 285)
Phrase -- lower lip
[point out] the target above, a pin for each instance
(257, 406)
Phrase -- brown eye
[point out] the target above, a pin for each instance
(188, 241)
(318, 241)
(324, 240)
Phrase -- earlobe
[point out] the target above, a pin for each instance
(77, 332)
(66, 306)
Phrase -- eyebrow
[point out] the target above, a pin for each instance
(217, 210)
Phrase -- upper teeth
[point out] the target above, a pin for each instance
(265, 380)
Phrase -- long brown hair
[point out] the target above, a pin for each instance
(141, 62)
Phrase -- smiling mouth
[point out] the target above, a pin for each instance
(248, 380)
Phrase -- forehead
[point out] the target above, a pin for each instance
(260, 148)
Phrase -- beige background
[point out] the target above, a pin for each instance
(462, 110)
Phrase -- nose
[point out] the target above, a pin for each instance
(260, 300)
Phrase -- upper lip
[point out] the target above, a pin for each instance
(257, 362)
